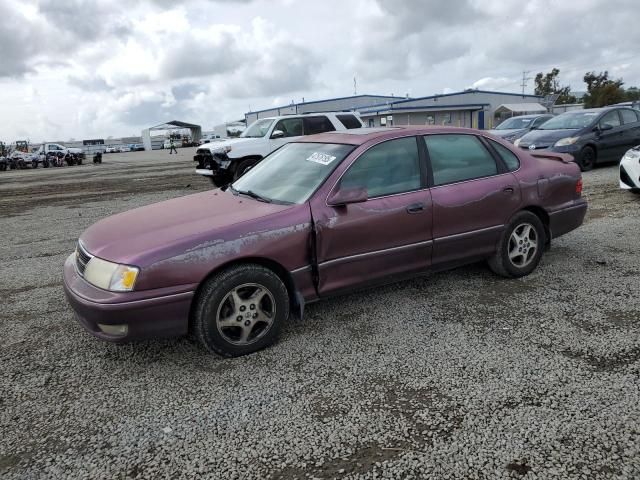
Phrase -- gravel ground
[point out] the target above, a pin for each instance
(457, 375)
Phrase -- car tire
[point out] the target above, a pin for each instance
(587, 159)
(240, 310)
(243, 167)
(520, 247)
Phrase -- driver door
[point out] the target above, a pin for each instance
(291, 128)
(387, 235)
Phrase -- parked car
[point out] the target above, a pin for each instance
(124, 148)
(591, 136)
(136, 147)
(326, 214)
(209, 138)
(226, 161)
(630, 170)
(515, 127)
(112, 149)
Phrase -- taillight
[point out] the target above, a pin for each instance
(579, 186)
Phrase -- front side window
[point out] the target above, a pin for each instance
(455, 158)
(349, 121)
(291, 127)
(313, 125)
(612, 119)
(539, 121)
(386, 169)
(292, 173)
(629, 116)
(508, 157)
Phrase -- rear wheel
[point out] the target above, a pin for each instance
(520, 248)
(587, 159)
(240, 310)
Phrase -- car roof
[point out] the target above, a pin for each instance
(307, 114)
(359, 136)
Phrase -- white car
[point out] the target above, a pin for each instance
(208, 139)
(223, 162)
(630, 170)
(112, 149)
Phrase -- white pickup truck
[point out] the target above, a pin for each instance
(225, 161)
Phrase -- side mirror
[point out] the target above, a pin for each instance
(277, 134)
(347, 196)
(605, 127)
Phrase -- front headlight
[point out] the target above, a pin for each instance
(517, 142)
(632, 155)
(226, 149)
(110, 276)
(563, 142)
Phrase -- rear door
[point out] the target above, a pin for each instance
(611, 142)
(631, 124)
(390, 233)
(474, 195)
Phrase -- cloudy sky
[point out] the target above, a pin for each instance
(99, 68)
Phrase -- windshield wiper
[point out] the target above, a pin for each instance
(252, 194)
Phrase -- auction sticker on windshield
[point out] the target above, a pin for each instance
(321, 158)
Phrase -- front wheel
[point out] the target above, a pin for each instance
(243, 167)
(240, 310)
(520, 248)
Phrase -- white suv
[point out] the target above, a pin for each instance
(223, 162)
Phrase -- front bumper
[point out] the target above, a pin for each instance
(212, 165)
(630, 174)
(148, 314)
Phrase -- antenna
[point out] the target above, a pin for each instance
(355, 86)
(524, 80)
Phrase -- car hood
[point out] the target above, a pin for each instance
(546, 137)
(507, 132)
(232, 142)
(162, 230)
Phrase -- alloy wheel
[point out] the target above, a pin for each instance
(523, 245)
(246, 314)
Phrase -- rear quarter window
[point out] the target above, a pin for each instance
(349, 121)
(508, 157)
(320, 124)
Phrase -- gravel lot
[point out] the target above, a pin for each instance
(457, 375)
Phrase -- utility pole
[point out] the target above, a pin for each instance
(524, 80)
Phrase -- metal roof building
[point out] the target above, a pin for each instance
(469, 108)
(329, 105)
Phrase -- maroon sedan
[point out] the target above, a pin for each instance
(325, 215)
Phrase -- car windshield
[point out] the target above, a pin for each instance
(515, 123)
(570, 121)
(292, 173)
(257, 129)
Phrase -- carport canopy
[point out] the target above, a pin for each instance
(520, 108)
(196, 131)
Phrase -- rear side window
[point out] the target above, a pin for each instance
(385, 169)
(629, 116)
(508, 157)
(349, 121)
(314, 125)
(455, 158)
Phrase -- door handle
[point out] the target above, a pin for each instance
(415, 208)
(508, 190)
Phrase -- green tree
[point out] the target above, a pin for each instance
(632, 94)
(548, 84)
(602, 91)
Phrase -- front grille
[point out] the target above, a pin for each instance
(82, 258)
